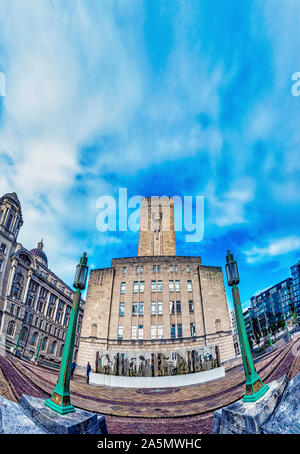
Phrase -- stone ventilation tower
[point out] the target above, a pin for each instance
(10, 215)
(157, 231)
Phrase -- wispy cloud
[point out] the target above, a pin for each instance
(274, 248)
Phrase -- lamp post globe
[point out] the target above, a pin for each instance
(60, 400)
(255, 388)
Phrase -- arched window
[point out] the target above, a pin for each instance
(23, 334)
(8, 222)
(44, 343)
(34, 338)
(218, 324)
(61, 349)
(24, 259)
(11, 327)
(17, 286)
(53, 347)
(94, 330)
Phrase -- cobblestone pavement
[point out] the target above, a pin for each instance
(172, 410)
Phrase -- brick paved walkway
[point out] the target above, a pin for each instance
(173, 410)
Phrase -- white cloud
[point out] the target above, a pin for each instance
(230, 208)
(69, 77)
(274, 248)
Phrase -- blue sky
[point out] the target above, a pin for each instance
(162, 98)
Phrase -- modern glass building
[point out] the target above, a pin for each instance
(270, 306)
(295, 271)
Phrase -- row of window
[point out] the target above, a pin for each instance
(156, 307)
(139, 286)
(156, 269)
(157, 331)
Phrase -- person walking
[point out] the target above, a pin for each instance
(73, 367)
(88, 370)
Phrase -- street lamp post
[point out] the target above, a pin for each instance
(17, 343)
(255, 388)
(38, 348)
(270, 340)
(267, 326)
(286, 327)
(60, 399)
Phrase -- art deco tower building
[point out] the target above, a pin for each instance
(157, 300)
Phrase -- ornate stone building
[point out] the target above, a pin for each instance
(35, 304)
(157, 301)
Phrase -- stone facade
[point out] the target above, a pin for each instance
(155, 301)
(34, 303)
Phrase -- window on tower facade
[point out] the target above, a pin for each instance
(120, 332)
(178, 307)
(172, 307)
(153, 331)
(122, 305)
(133, 332)
(153, 286)
(159, 307)
(142, 286)
(173, 333)
(189, 286)
(123, 287)
(135, 287)
(141, 308)
(160, 331)
(159, 286)
(171, 286)
(134, 308)
(179, 330)
(141, 332)
(191, 306)
(177, 286)
(193, 330)
(153, 308)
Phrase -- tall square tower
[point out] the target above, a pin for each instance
(157, 230)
